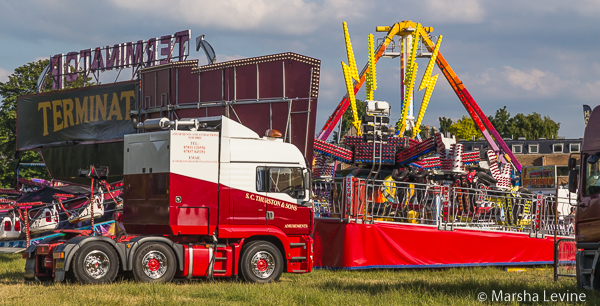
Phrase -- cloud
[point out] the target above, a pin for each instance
(289, 17)
(331, 86)
(508, 82)
(4, 75)
(457, 11)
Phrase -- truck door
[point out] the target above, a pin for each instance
(286, 190)
(248, 194)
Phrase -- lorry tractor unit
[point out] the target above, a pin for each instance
(584, 179)
(204, 197)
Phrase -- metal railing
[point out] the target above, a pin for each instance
(445, 206)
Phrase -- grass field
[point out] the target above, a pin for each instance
(321, 287)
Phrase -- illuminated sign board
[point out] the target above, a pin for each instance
(140, 54)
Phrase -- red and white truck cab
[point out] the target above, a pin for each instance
(203, 197)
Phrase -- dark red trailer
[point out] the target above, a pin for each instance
(277, 91)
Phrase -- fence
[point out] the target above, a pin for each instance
(564, 258)
(447, 207)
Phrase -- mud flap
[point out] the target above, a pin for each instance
(59, 275)
(30, 269)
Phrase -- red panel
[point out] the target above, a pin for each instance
(246, 82)
(210, 86)
(280, 113)
(297, 79)
(194, 193)
(228, 85)
(196, 217)
(162, 88)
(270, 79)
(254, 116)
(215, 111)
(148, 81)
(363, 246)
(187, 86)
(246, 211)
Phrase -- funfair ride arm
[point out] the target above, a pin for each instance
(333, 120)
(471, 106)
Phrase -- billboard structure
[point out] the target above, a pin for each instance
(539, 177)
(277, 91)
(77, 128)
(85, 126)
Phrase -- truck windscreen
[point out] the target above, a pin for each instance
(592, 176)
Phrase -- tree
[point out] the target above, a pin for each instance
(22, 82)
(445, 124)
(500, 122)
(465, 128)
(347, 118)
(531, 126)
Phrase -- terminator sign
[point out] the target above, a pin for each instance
(140, 54)
(85, 115)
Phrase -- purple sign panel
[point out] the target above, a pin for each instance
(140, 54)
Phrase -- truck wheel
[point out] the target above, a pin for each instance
(154, 263)
(261, 262)
(95, 263)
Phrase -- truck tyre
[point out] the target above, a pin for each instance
(95, 263)
(154, 262)
(261, 262)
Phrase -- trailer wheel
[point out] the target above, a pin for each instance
(261, 262)
(95, 263)
(154, 263)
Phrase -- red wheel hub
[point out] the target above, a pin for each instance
(262, 265)
(153, 264)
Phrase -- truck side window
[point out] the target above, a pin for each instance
(286, 180)
(260, 179)
(592, 176)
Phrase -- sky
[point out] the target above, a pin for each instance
(530, 56)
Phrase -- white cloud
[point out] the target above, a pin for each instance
(509, 82)
(534, 80)
(4, 75)
(331, 86)
(290, 17)
(457, 11)
(226, 57)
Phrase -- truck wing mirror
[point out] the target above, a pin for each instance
(573, 178)
(592, 159)
(572, 163)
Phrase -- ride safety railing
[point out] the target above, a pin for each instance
(444, 206)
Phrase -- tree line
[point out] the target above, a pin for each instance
(531, 126)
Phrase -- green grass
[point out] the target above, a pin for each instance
(321, 287)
